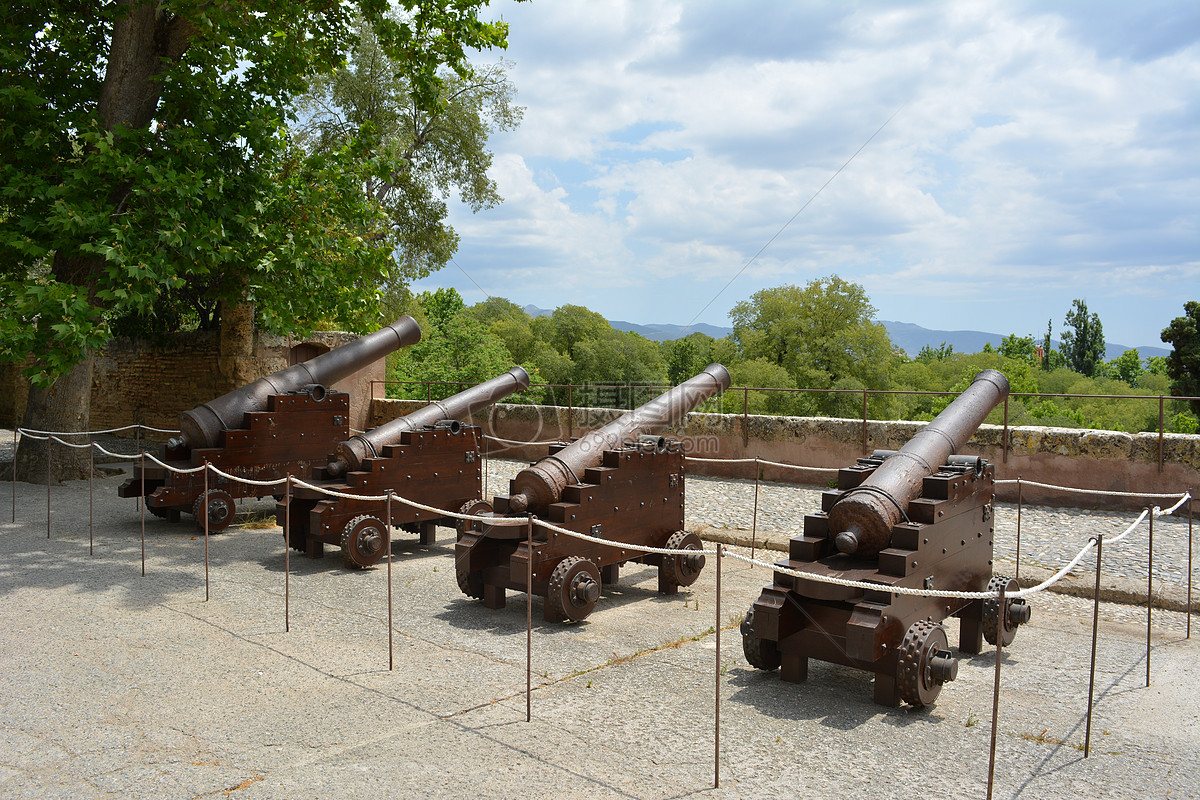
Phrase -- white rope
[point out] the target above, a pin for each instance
(239, 479)
(122, 456)
(180, 470)
(28, 431)
(512, 441)
(1011, 481)
(797, 466)
(502, 521)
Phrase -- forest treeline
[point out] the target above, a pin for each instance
(819, 337)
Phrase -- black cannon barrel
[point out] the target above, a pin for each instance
(541, 484)
(354, 450)
(202, 426)
(861, 520)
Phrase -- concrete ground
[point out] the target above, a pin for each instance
(119, 685)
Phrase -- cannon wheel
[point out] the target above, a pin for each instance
(471, 583)
(475, 508)
(220, 507)
(760, 653)
(997, 626)
(918, 679)
(574, 589)
(363, 542)
(681, 570)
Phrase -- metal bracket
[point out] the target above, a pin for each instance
(595, 530)
(470, 456)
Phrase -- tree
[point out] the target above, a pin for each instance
(939, 353)
(145, 152)
(1126, 367)
(821, 333)
(1183, 364)
(686, 357)
(1083, 341)
(1021, 348)
(431, 149)
(1051, 358)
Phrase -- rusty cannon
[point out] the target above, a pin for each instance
(919, 518)
(429, 456)
(623, 484)
(285, 423)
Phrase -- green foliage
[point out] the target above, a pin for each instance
(1083, 341)
(822, 334)
(1020, 348)
(1126, 367)
(1183, 364)
(179, 179)
(939, 353)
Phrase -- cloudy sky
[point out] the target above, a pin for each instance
(997, 159)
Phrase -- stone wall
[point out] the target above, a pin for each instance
(152, 382)
(1102, 460)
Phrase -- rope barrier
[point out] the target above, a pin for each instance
(28, 431)
(513, 441)
(1105, 492)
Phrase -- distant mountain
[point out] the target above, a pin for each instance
(911, 338)
(908, 337)
(665, 333)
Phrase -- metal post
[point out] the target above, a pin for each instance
(48, 438)
(142, 473)
(137, 440)
(995, 699)
(1087, 736)
(1017, 571)
(287, 551)
(387, 528)
(529, 622)
(1160, 433)
(487, 451)
(1189, 602)
(91, 498)
(1149, 592)
(717, 693)
(204, 510)
(14, 473)
(864, 425)
(754, 517)
(745, 416)
(1004, 442)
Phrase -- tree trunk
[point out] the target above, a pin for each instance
(65, 407)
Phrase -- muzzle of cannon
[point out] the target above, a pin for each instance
(202, 426)
(541, 484)
(352, 452)
(862, 519)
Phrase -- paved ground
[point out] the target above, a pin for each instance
(118, 685)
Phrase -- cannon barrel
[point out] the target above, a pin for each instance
(861, 520)
(354, 450)
(541, 484)
(202, 426)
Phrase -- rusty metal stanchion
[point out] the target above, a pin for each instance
(1017, 571)
(1149, 591)
(487, 451)
(1004, 442)
(995, 699)
(16, 444)
(570, 413)
(287, 549)
(529, 621)
(754, 517)
(1189, 594)
(204, 510)
(864, 425)
(1087, 736)
(745, 416)
(142, 471)
(137, 436)
(717, 693)
(48, 438)
(91, 499)
(387, 532)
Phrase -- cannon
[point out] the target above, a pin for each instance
(428, 456)
(622, 483)
(285, 423)
(921, 518)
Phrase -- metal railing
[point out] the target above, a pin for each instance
(631, 389)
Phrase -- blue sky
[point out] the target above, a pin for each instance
(1036, 152)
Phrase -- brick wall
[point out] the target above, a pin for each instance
(152, 382)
